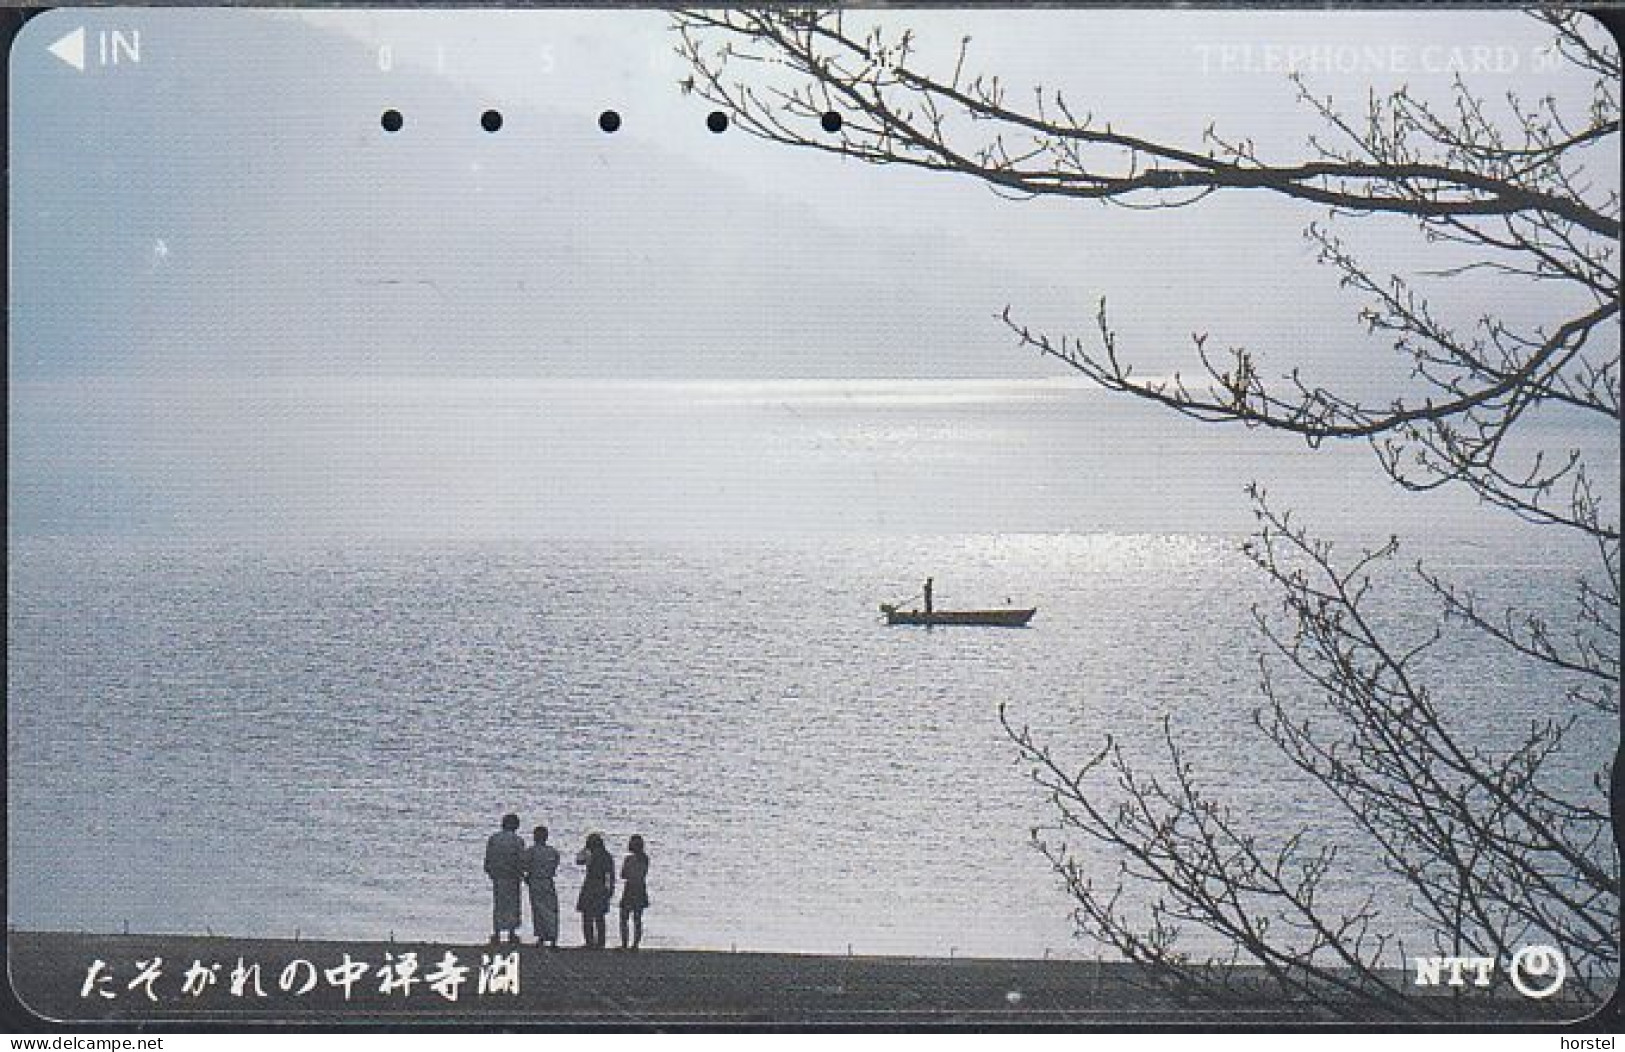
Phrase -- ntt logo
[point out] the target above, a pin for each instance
(1536, 971)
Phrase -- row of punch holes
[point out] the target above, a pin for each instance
(609, 121)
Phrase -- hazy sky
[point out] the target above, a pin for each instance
(226, 277)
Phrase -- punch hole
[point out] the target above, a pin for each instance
(609, 122)
(717, 122)
(831, 122)
(391, 120)
(491, 120)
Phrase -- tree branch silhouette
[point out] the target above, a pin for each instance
(1486, 845)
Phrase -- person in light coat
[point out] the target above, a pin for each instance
(541, 863)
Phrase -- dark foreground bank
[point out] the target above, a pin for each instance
(130, 978)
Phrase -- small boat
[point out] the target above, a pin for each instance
(1007, 618)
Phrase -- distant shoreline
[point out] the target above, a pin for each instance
(50, 970)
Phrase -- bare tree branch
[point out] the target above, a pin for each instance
(1491, 846)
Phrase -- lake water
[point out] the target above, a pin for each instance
(315, 730)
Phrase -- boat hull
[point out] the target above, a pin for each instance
(983, 618)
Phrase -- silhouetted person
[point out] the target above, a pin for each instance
(505, 865)
(928, 581)
(634, 891)
(541, 863)
(597, 888)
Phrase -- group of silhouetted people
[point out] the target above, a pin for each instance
(510, 864)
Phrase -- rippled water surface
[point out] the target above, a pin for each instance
(281, 733)
(258, 742)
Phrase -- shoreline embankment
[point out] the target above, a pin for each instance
(79, 978)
